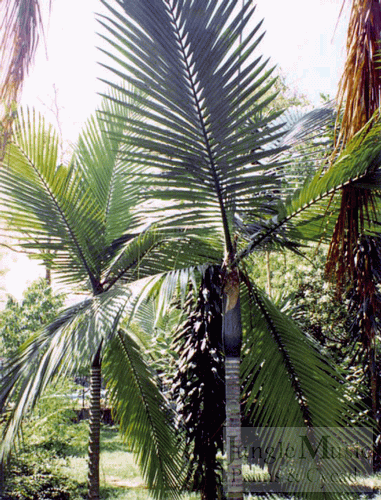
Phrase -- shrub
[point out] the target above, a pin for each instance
(37, 476)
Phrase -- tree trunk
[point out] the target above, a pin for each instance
(234, 483)
(268, 272)
(374, 389)
(95, 426)
(2, 479)
(232, 334)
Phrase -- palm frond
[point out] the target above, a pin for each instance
(47, 205)
(98, 151)
(289, 384)
(160, 292)
(144, 416)
(155, 252)
(311, 213)
(309, 141)
(199, 89)
(300, 125)
(360, 84)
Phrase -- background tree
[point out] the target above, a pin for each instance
(19, 320)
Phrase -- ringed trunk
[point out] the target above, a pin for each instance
(95, 427)
(232, 335)
(2, 479)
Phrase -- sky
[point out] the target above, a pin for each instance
(301, 39)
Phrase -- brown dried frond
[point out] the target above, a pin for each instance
(359, 87)
(359, 98)
(357, 208)
(19, 34)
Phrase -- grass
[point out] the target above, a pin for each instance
(120, 477)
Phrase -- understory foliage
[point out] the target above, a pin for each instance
(300, 287)
(50, 435)
(198, 386)
(34, 475)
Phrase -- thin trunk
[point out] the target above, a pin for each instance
(48, 276)
(268, 270)
(373, 380)
(374, 389)
(2, 479)
(232, 333)
(95, 426)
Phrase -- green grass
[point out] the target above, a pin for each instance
(120, 478)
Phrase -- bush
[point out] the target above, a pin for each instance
(49, 435)
(36, 476)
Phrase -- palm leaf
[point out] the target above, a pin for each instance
(287, 379)
(48, 205)
(144, 416)
(311, 213)
(156, 252)
(98, 152)
(198, 93)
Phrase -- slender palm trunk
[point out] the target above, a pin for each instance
(95, 425)
(2, 479)
(268, 272)
(232, 333)
(374, 389)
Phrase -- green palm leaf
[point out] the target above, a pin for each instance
(286, 379)
(110, 179)
(198, 93)
(73, 216)
(48, 206)
(144, 416)
(311, 213)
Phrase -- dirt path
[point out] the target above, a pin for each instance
(124, 483)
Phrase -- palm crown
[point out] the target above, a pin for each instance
(78, 219)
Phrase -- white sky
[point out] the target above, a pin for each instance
(300, 39)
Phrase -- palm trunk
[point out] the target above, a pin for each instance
(268, 272)
(95, 426)
(2, 479)
(374, 389)
(234, 483)
(232, 334)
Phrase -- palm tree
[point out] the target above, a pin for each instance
(213, 159)
(83, 214)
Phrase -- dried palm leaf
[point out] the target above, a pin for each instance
(359, 98)
(19, 34)
(360, 84)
